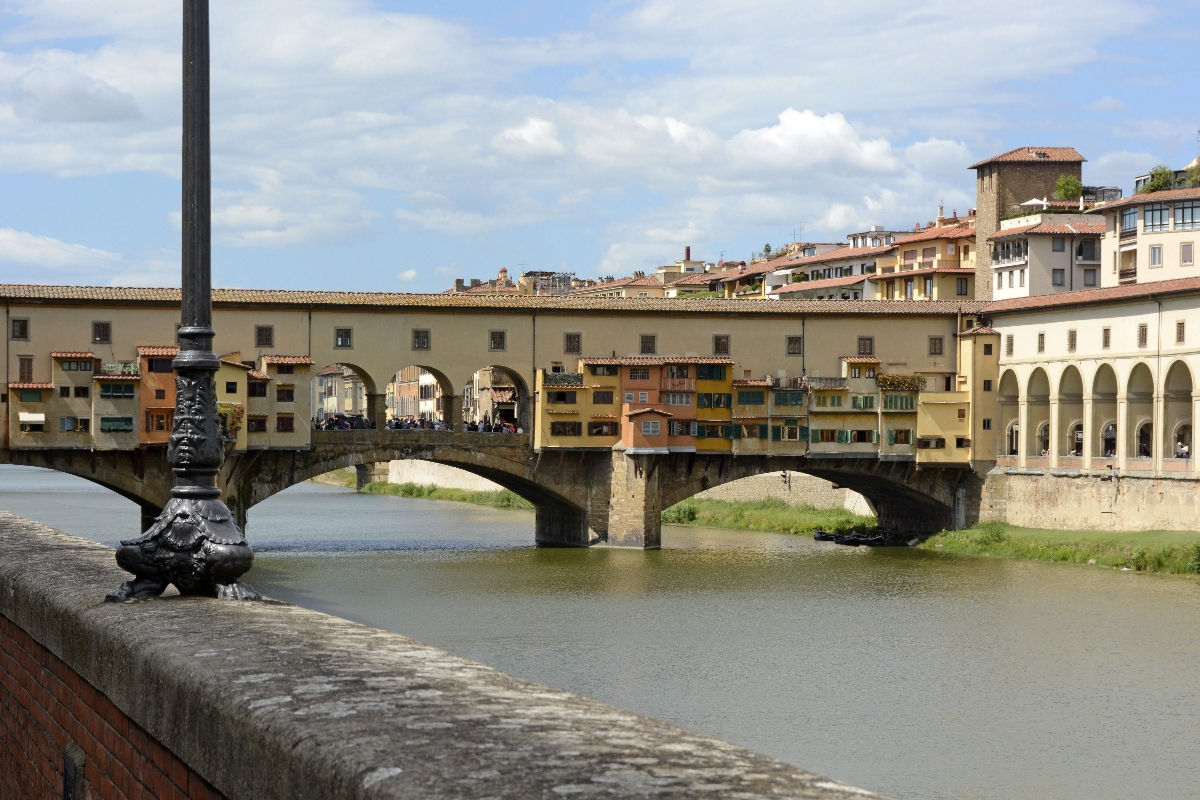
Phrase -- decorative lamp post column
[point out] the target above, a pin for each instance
(195, 543)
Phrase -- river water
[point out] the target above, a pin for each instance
(911, 673)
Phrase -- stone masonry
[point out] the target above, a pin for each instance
(793, 488)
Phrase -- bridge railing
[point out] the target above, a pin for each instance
(388, 437)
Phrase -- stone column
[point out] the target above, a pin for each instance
(1088, 433)
(370, 473)
(635, 513)
(1122, 431)
(1023, 429)
(1158, 440)
(1055, 444)
(452, 411)
(377, 409)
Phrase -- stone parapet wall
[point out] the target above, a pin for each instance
(428, 473)
(1075, 501)
(793, 488)
(267, 701)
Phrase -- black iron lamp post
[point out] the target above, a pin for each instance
(195, 543)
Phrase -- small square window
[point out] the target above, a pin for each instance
(1179, 332)
(936, 345)
(987, 424)
(84, 391)
(343, 338)
(102, 333)
(720, 344)
(987, 349)
(866, 345)
(285, 424)
(1059, 244)
(20, 329)
(1106, 337)
(264, 335)
(1058, 277)
(987, 385)
(962, 413)
(230, 387)
(160, 394)
(64, 391)
(795, 345)
(497, 341)
(421, 339)
(648, 345)
(285, 394)
(285, 369)
(573, 344)
(1089, 277)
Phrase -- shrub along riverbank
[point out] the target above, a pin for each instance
(498, 499)
(769, 515)
(1175, 552)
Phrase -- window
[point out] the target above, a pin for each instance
(567, 398)
(710, 372)
(1156, 217)
(648, 344)
(285, 394)
(795, 345)
(566, 428)
(285, 423)
(102, 332)
(643, 397)
(256, 389)
(1086, 251)
(1058, 277)
(1179, 332)
(497, 340)
(789, 398)
(639, 374)
(602, 398)
(230, 387)
(927, 255)
(908, 289)
(1011, 272)
(31, 395)
(714, 400)
(116, 390)
(677, 370)
(1143, 335)
(116, 424)
(1058, 244)
(285, 369)
(1071, 340)
(987, 424)
(343, 338)
(1022, 277)
(856, 372)
(1008, 345)
(677, 399)
(826, 436)
(900, 436)
(159, 365)
(936, 345)
(64, 391)
(19, 329)
(931, 443)
(629, 397)
(1106, 338)
(1187, 216)
(999, 280)
(1187, 254)
(256, 424)
(1129, 220)
(158, 421)
(602, 429)
(1156, 255)
(264, 335)
(960, 287)
(863, 437)
(899, 402)
(604, 369)
(987, 385)
(421, 339)
(84, 391)
(866, 345)
(650, 427)
(573, 344)
(752, 398)
(928, 288)
(987, 349)
(962, 442)
(681, 428)
(862, 402)
(1089, 277)
(751, 431)
(1041, 342)
(67, 424)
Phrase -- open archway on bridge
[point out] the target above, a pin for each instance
(342, 396)
(1070, 413)
(1008, 398)
(421, 395)
(1177, 412)
(1104, 412)
(497, 396)
(1038, 424)
(1140, 419)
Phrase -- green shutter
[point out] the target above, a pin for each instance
(729, 400)
(843, 437)
(891, 436)
(874, 437)
(781, 398)
(762, 431)
(776, 433)
(733, 431)
(791, 422)
(703, 399)
(804, 433)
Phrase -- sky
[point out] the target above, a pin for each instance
(395, 146)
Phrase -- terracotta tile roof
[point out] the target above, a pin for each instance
(825, 283)
(650, 411)
(658, 361)
(620, 283)
(507, 395)
(332, 369)
(842, 253)
(861, 360)
(235, 364)
(1048, 154)
(750, 382)
(279, 359)
(961, 231)
(1110, 294)
(908, 273)
(116, 376)
(72, 354)
(157, 350)
(981, 330)
(695, 279)
(258, 376)
(94, 295)
(1166, 195)
(31, 386)
(1051, 229)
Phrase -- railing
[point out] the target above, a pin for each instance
(1127, 274)
(679, 384)
(1129, 233)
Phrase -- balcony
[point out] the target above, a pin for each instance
(1127, 275)
(679, 384)
(1128, 233)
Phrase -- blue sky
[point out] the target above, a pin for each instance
(398, 145)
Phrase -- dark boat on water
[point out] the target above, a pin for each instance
(856, 539)
(821, 535)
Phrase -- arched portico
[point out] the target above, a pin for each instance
(1140, 442)
(1008, 398)
(1037, 439)
(1104, 438)
(1069, 439)
(1177, 418)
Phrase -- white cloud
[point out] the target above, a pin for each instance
(408, 276)
(537, 138)
(18, 248)
(1106, 105)
(30, 258)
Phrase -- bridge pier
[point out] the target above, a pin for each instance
(370, 473)
(558, 525)
(635, 501)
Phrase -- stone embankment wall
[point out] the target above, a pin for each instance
(1043, 499)
(427, 472)
(267, 701)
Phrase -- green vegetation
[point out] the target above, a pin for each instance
(705, 295)
(497, 499)
(1161, 178)
(768, 514)
(1068, 187)
(1193, 175)
(1176, 552)
(339, 477)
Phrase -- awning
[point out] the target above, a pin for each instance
(37, 419)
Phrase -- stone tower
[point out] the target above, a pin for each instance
(1003, 182)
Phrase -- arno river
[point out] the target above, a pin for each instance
(910, 673)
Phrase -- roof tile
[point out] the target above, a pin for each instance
(1047, 154)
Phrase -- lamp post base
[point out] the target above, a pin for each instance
(195, 545)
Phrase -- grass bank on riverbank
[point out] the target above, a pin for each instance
(500, 499)
(768, 515)
(1174, 552)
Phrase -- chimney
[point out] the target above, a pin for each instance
(475, 282)
(687, 253)
(460, 285)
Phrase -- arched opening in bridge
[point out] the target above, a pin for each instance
(1070, 413)
(344, 396)
(1177, 412)
(70, 503)
(496, 398)
(1008, 397)
(1140, 402)
(1104, 412)
(1012, 439)
(1039, 413)
(1043, 439)
(419, 396)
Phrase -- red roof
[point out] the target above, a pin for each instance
(658, 361)
(1051, 229)
(695, 279)
(645, 280)
(838, 255)
(650, 411)
(31, 386)
(749, 382)
(1191, 193)
(1047, 154)
(504, 395)
(72, 354)
(826, 283)
(157, 350)
(908, 273)
(1093, 296)
(861, 360)
(981, 330)
(960, 231)
(287, 360)
(258, 376)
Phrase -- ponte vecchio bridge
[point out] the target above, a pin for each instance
(582, 497)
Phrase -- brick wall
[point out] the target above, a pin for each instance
(46, 708)
(793, 488)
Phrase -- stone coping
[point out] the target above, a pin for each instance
(268, 700)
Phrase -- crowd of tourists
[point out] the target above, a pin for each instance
(340, 422)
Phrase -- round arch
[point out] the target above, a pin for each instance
(495, 394)
(1177, 412)
(1139, 393)
(1038, 409)
(1104, 388)
(1070, 413)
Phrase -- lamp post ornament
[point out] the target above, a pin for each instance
(195, 543)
